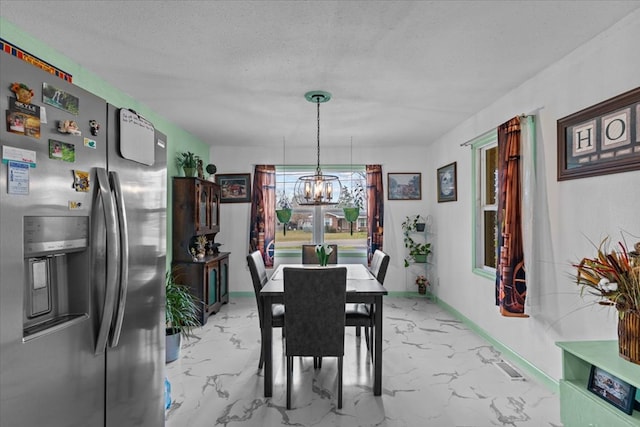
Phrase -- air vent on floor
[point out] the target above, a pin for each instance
(509, 371)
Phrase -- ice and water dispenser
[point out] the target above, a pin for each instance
(55, 259)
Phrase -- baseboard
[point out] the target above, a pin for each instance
(549, 382)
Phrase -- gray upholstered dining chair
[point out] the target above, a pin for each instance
(315, 301)
(362, 315)
(309, 254)
(259, 278)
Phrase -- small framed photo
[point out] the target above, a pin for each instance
(234, 187)
(404, 186)
(612, 389)
(447, 183)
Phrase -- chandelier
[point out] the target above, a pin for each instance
(317, 189)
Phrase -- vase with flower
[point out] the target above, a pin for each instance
(323, 251)
(613, 276)
(422, 283)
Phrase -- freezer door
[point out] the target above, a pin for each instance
(49, 374)
(135, 361)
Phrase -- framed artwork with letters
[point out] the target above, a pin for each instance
(601, 139)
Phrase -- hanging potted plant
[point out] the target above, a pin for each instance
(284, 211)
(188, 162)
(418, 252)
(181, 315)
(351, 203)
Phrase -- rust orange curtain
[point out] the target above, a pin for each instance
(263, 211)
(511, 286)
(375, 209)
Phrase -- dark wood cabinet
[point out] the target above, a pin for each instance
(208, 280)
(196, 213)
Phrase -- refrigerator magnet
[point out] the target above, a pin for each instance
(81, 180)
(69, 126)
(58, 98)
(90, 143)
(19, 155)
(18, 178)
(95, 127)
(23, 92)
(64, 151)
(23, 118)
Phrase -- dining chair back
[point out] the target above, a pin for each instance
(259, 278)
(362, 315)
(379, 265)
(309, 254)
(314, 300)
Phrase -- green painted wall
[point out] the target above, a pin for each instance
(178, 139)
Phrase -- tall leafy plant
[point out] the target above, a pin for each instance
(182, 308)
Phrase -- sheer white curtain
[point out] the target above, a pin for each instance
(528, 179)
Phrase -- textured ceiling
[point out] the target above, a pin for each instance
(235, 72)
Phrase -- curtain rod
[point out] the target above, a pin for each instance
(469, 142)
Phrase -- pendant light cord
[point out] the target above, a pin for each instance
(318, 165)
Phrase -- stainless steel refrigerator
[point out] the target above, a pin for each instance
(82, 258)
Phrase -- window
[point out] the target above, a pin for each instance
(485, 175)
(310, 224)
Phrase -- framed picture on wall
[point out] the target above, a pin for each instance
(234, 187)
(447, 183)
(601, 139)
(612, 389)
(404, 186)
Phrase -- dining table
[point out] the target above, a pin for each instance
(362, 287)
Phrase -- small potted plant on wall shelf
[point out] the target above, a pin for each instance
(188, 162)
(415, 223)
(417, 251)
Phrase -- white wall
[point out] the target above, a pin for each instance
(567, 213)
(234, 234)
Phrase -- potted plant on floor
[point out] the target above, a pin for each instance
(422, 282)
(181, 313)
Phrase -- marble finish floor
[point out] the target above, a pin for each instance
(436, 372)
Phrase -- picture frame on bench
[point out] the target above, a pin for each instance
(612, 389)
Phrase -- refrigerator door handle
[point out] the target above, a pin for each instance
(124, 258)
(112, 256)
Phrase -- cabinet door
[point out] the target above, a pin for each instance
(212, 276)
(214, 206)
(202, 217)
(224, 279)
